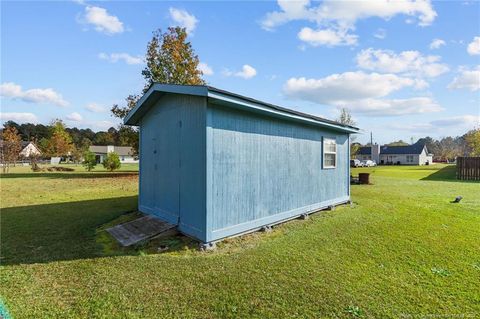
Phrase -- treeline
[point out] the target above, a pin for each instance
(446, 148)
(81, 138)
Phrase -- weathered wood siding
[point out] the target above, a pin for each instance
(261, 170)
(172, 165)
(468, 168)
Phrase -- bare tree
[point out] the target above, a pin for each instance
(346, 119)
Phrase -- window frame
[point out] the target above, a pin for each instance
(325, 152)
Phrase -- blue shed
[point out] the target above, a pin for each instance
(218, 164)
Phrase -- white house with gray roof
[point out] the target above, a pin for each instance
(415, 154)
(125, 153)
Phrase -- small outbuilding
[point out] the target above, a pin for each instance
(218, 164)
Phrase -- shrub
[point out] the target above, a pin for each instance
(111, 162)
(89, 160)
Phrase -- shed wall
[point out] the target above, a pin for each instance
(172, 164)
(261, 170)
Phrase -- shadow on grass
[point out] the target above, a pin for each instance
(60, 231)
(70, 175)
(448, 173)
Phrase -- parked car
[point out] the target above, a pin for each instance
(369, 163)
(356, 163)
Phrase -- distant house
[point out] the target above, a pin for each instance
(415, 154)
(29, 149)
(126, 153)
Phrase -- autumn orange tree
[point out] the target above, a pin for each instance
(10, 148)
(60, 143)
(170, 59)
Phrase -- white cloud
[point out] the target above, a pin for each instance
(474, 46)
(48, 96)
(74, 117)
(406, 62)
(19, 117)
(247, 72)
(102, 20)
(437, 43)
(463, 120)
(205, 68)
(346, 86)
(95, 108)
(327, 37)
(362, 93)
(380, 34)
(115, 57)
(340, 17)
(291, 10)
(467, 79)
(183, 19)
(395, 107)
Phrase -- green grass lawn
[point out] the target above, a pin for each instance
(402, 250)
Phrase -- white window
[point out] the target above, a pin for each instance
(329, 153)
(409, 158)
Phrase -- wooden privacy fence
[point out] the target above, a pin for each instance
(468, 168)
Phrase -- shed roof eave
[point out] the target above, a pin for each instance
(252, 104)
(139, 110)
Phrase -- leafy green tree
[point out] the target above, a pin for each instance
(76, 155)
(85, 144)
(104, 138)
(89, 160)
(128, 136)
(170, 59)
(473, 141)
(111, 161)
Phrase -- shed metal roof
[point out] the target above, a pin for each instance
(228, 99)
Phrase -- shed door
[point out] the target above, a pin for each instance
(167, 177)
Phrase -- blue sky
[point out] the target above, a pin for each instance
(405, 69)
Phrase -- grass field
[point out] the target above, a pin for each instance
(403, 250)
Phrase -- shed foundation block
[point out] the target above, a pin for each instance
(303, 216)
(266, 228)
(207, 246)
